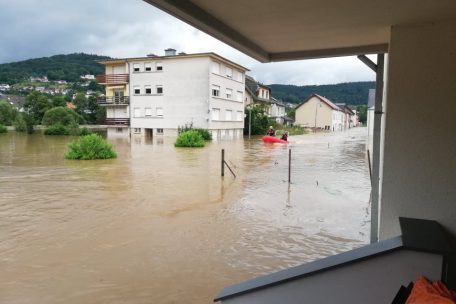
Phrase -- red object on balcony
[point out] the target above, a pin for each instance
(113, 78)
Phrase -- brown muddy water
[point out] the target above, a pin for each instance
(159, 225)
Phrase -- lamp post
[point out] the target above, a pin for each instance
(316, 112)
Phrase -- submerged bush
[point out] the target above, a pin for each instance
(205, 134)
(91, 146)
(57, 129)
(190, 138)
(84, 131)
(24, 123)
(3, 129)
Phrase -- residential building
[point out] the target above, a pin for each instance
(319, 112)
(88, 77)
(347, 121)
(277, 111)
(257, 93)
(155, 95)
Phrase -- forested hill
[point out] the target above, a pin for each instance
(59, 67)
(352, 93)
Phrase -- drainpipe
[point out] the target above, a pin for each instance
(375, 196)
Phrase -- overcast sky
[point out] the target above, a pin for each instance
(133, 28)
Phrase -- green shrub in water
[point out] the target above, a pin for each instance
(60, 115)
(190, 138)
(57, 129)
(205, 134)
(3, 129)
(84, 131)
(91, 146)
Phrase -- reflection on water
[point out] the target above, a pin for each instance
(159, 224)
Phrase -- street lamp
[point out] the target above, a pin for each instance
(316, 108)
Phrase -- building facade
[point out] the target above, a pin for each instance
(157, 95)
(318, 112)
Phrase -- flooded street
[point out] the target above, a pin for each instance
(159, 225)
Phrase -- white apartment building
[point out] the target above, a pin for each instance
(155, 95)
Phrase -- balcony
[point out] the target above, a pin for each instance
(113, 101)
(118, 121)
(111, 79)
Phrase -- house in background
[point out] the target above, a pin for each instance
(155, 95)
(347, 121)
(318, 112)
(257, 93)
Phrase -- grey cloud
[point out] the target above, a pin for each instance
(130, 28)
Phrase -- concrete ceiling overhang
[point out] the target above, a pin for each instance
(278, 30)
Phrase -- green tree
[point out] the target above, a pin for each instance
(37, 104)
(259, 120)
(6, 113)
(24, 123)
(92, 110)
(362, 112)
(60, 115)
(291, 112)
(81, 104)
(58, 101)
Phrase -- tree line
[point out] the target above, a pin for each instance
(59, 67)
(351, 93)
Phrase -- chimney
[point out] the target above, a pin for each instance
(170, 52)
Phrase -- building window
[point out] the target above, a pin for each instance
(229, 72)
(148, 90)
(137, 90)
(159, 66)
(159, 90)
(228, 115)
(216, 67)
(239, 76)
(135, 67)
(147, 67)
(240, 115)
(137, 112)
(228, 93)
(148, 112)
(267, 94)
(159, 112)
(215, 91)
(159, 131)
(137, 130)
(215, 114)
(119, 130)
(239, 96)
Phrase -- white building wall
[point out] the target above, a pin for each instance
(419, 170)
(229, 128)
(184, 100)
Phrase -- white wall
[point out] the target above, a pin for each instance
(419, 172)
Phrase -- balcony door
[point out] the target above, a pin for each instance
(118, 95)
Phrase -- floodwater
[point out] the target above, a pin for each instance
(159, 224)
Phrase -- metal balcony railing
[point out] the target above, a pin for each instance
(113, 101)
(113, 79)
(118, 121)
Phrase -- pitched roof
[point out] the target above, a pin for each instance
(325, 100)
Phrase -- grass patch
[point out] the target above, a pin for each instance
(190, 138)
(91, 146)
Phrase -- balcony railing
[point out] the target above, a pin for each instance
(118, 121)
(113, 79)
(113, 101)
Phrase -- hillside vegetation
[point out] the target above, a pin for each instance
(352, 93)
(59, 67)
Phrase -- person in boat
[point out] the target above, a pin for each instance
(284, 136)
(271, 131)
